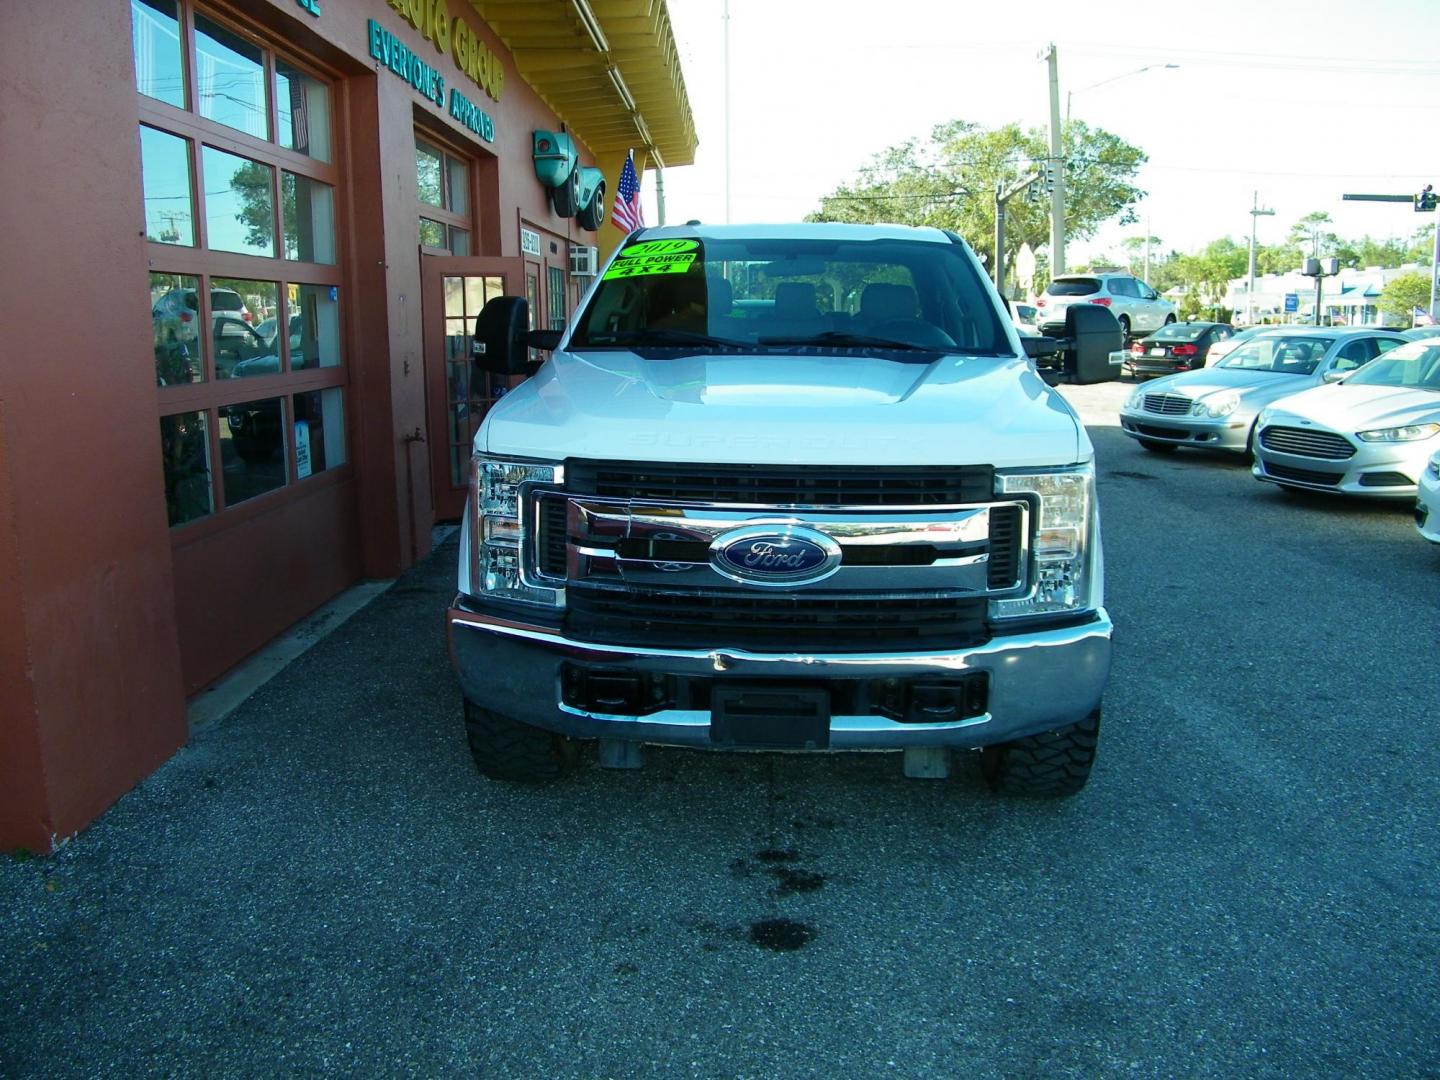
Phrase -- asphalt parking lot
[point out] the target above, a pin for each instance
(321, 884)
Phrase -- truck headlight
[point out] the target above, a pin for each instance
(1066, 552)
(499, 539)
(1408, 433)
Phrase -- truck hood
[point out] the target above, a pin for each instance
(786, 409)
(1345, 408)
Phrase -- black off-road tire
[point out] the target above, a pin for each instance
(566, 198)
(1050, 765)
(1157, 447)
(506, 749)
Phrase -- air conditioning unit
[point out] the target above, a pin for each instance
(584, 261)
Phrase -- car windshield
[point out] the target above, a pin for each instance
(1073, 287)
(1179, 332)
(1414, 366)
(911, 298)
(1284, 354)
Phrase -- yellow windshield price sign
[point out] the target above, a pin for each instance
(654, 257)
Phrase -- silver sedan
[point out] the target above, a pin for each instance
(1372, 433)
(1216, 407)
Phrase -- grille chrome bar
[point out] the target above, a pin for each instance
(1167, 404)
(1305, 442)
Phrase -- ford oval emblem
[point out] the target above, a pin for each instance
(775, 555)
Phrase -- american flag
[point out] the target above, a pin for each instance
(625, 212)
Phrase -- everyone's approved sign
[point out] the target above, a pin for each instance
(654, 257)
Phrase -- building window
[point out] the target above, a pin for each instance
(442, 184)
(557, 298)
(245, 294)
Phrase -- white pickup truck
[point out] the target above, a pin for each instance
(792, 487)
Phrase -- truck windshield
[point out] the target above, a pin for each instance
(757, 294)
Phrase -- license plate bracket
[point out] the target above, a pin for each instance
(770, 717)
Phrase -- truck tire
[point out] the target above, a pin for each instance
(506, 749)
(1052, 764)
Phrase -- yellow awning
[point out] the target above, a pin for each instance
(608, 68)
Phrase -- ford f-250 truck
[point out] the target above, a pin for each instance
(786, 488)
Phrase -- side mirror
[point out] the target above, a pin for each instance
(502, 341)
(1334, 376)
(1092, 338)
(1041, 346)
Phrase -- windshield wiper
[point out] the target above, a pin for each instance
(843, 339)
(660, 335)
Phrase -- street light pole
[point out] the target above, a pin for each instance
(1113, 78)
(1255, 215)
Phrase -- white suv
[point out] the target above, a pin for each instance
(1139, 308)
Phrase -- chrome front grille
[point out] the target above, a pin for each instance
(1167, 404)
(1307, 443)
(911, 572)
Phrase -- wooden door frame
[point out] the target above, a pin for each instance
(447, 500)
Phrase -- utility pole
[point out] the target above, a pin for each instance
(1145, 277)
(725, 19)
(1057, 158)
(1255, 215)
(1002, 197)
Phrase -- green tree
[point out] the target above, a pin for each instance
(949, 182)
(1404, 294)
(1310, 234)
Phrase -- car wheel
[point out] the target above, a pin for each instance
(1157, 447)
(1125, 329)
(506, 749)
(566, 197)
(1052, 764)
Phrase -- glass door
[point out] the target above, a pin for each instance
(453, 290)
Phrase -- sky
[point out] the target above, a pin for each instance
(1300, 102)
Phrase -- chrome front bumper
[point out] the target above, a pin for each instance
(1038, 681)
(1228, 433)
(1344, 477)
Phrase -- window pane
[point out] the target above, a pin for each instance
(303, 108)
(457, 177)
(459, 241)
(165, 174)
(314, 315)
(185, 449)
(175, 321)
(155, 39)
(242, 327)
(432, 233)
(230, 77)
(252, 449)
(309, 208)
(239, 203)
(319, 431)
(427, 175)
(557, 298)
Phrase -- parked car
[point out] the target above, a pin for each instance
(1427, 501)
(235, 341)
(1369, 433)
(1140, 309)
(182, 304)
(1419, 333)
(1217, 407)
(1181, 346)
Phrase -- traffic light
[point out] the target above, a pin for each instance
(1048, 174)
(1425, 199)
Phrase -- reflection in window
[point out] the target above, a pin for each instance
(175, 323)
(432, 234)
(309, 218)
(319, 431)
(243, 316)
(427, 175)
(155, 38)
(556, 293)
(230, 79)
(457, 184)
(252, 449)
(239, 203)
(165, 175)
(303, 106)
(185, 449)
(314, 314)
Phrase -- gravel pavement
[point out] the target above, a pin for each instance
(321, 884)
